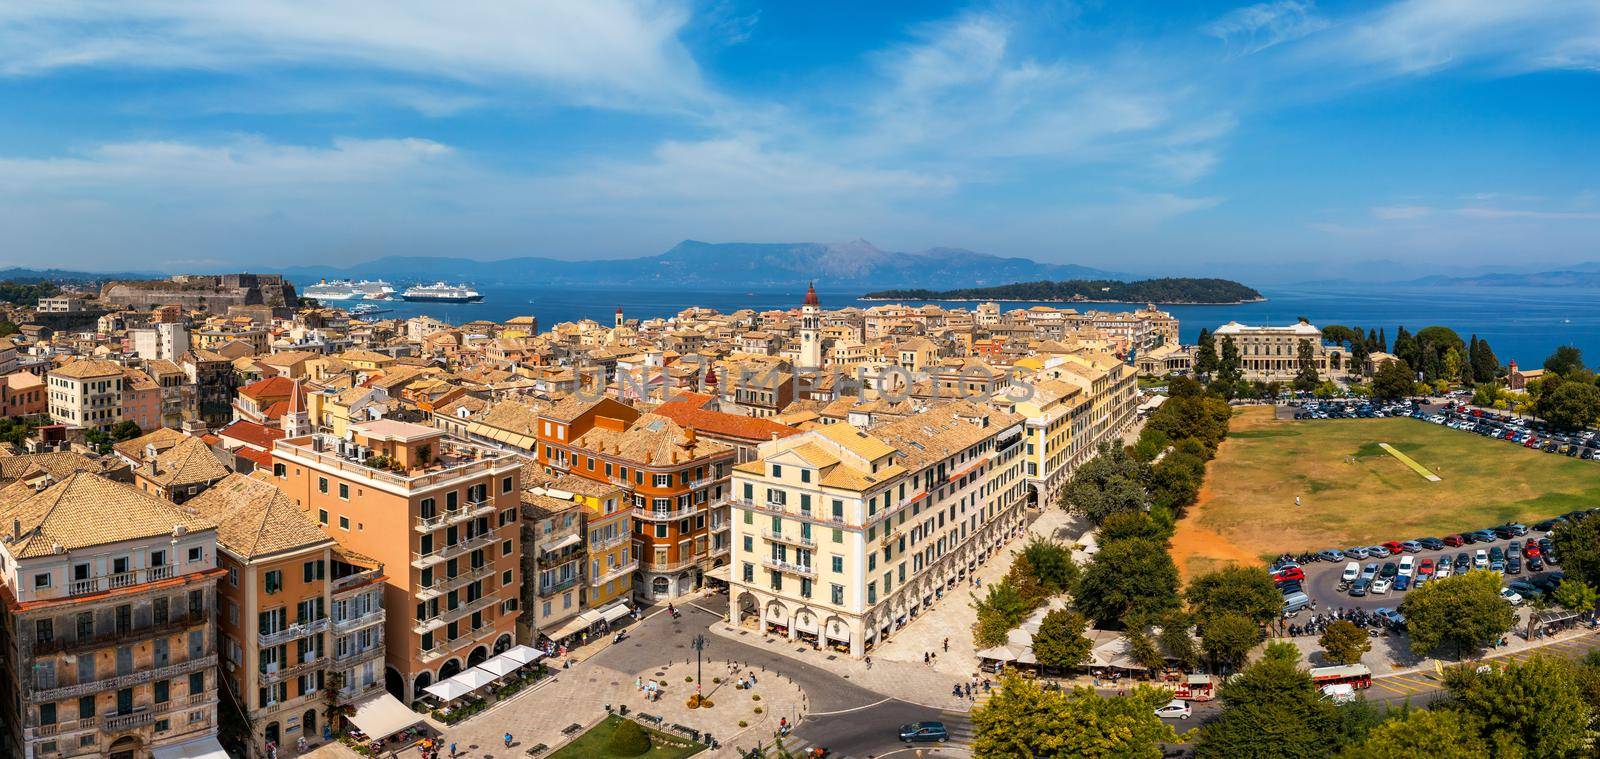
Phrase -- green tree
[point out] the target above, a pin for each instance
(1229, 366)
(1052, 564)
(1394, 379)
(1340, 334)
(1569, 405)
(1576, 595)
(1175, 641)
(1282, 650)
(1431, 733)
(1060, 642)
(1534, 708)
(1271, 710)
(1305, 380)
(1344, 643)
(1228, 637)
(1485, 366)
(1023, 720)
(1127, 578)
(8, 328)
(1578, 545)
(122, 431)
(999, 612)
(1566, 361)
(1109, 483)
(1142, 649)
(1132, 524)
(1246, 591)
(1205, 355)
(1459, 614)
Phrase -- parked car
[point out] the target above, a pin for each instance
(1402, 582)
(1498, 566)
(1370, 571)
(1463, 562)
(1411, 546)
(1408, 566)
(1530, 548)
(1511, 595)
(1351, 572)
(1295, 602)
(1330, 554)
(1425, 567)
(1359, 587)
(1514, 566)
(1444, 569)
(1380, 586)
(1395, 547)
(1290, 574)
(1359, 552)
(1453, 541)
(1535, 563)
(1175, 709)
(924, 732)
(1432, 544)
(1497, 553)
(1380, 552)
(1480, 559)
(1527, 589)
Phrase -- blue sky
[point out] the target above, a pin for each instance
(1146, 137)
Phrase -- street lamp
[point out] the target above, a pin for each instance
(699, 645)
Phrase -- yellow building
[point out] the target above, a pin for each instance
(366, 360)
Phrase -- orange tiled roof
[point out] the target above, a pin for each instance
(690, 414)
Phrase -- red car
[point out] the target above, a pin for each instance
(1425, 568)
(1531, 549)
(1454, 540)
(1394, 547)
(1290, 574)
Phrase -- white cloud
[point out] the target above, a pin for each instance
(598, 52)
(1254, 28)
(1421, 36)
(1483, 212)
(1401, 213)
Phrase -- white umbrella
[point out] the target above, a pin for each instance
(499, 666)
(998, 653)
(447, 690)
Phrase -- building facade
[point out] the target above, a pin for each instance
(1272, 354)
(86, 394)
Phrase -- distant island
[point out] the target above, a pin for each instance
(1165, 290)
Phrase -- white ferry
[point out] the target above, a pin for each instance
(442, 293)
(335, 290)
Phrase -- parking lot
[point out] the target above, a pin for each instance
(1323, 579)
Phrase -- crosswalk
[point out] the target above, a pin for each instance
(1417, 683)
(957, 723)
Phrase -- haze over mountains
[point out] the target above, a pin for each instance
(737, 264)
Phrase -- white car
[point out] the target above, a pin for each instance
(1175, 709)
(1408, 566)
(1351, 571)
(1339, 693)
(1380, 586)
(1443, 570)
(1512, 596)
(1480, 559)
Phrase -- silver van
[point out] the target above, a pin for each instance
(1295, 602)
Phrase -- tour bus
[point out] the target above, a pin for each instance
(1354, 675)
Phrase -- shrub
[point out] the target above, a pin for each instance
(628, 739)
(716, 680)
(688, 678)
(756, 697)
(742, 723)
(758, 710)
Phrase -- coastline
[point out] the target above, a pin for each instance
(1262, 299)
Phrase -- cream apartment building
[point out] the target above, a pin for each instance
(841, 535)
(86, 393)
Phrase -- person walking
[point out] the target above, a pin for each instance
(947, 645)
(508, 740)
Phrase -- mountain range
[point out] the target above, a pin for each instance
(856, 264)
(1582, 275)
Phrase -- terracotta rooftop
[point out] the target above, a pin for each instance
(254, 518)
(85, 368)
(87, 510)
(190, 462)
(717, 423)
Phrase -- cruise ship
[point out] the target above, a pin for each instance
(442, 293)
(344, 289)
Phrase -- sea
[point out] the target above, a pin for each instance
(1522, 323)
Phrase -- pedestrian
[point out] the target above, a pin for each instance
(452, 750)
(1297, 501)
(508, 740)
(869, 662)
(924, 658)
(947, 645)
(752, 678)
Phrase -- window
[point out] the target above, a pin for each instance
(41, 580)
(661, 530)
(279, 470)
(749, 572)
(749, 544)
(749, 516)
(344, 523)
(47, 714)
(313, 570)
(838, 563)
(196, 554)
(44, 630)
(322, 517)
(506, 486)
(274, 580)
(805, 588)
(344, 491)
(837, 595)
(777, 471)
(805, 475)
(505, 548)
(838, 535)
(85, 707)
(322, 484)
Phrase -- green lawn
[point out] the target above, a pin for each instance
(1354, 493)
(592, 744)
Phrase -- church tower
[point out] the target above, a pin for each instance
(618, 322)
(810, 336)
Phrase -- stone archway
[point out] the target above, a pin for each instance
(775, 619)
(423, 680)
(308, 725)
(272, 736)
(450, 669)
(746, 607)
(502, 644)
(394, 683)
(478, 656)
(126, 747)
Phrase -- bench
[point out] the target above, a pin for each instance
(537, 749)
(571, 729)
(651, 718)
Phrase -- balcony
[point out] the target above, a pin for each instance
(118, 580)
(421, 560)
(667, 515)
(614, 573)
(558, 586)
(442, 586)
(453, 461)
(273, 674)
(468, 608)
(356, 693)
(342, 626)
(791, 539)
(124, 681)
(354, 580)
(670, 566)
(611, 542)
(124, 636)
(789, 567)
(112, 723)
(354, 658)
(457, 515)
(297, 630)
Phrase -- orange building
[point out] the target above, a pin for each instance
(672, 476)
(300, 618)
(440, 514)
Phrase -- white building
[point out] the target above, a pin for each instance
(86, 393)
(1273, 353)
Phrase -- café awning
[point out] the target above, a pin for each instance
(616, 612)
(500, 666)
(523, 654)
(200, 748)
(446, 691)
(382, 716)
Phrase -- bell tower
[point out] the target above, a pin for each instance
(810, 324)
